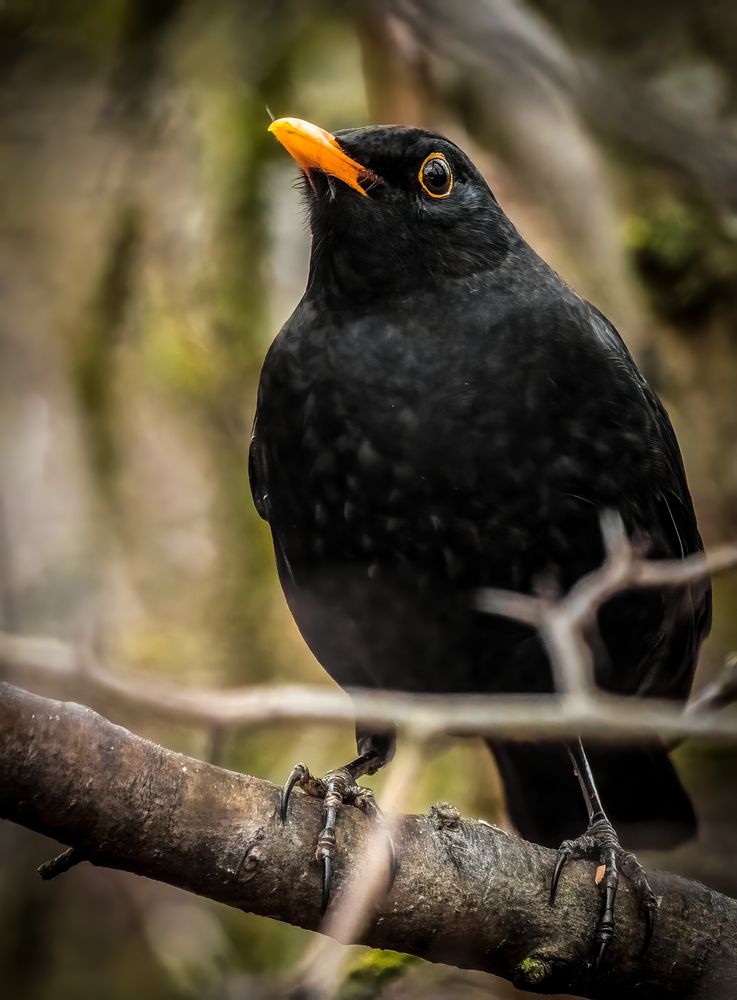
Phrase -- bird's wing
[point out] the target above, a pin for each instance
(257, 474)
(677, 518)
(673, 533)
(678, 521)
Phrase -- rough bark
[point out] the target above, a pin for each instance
(465, 892)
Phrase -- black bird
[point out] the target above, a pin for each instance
(442, 413)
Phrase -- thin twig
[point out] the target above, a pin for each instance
(622, 570)
(579, 709)
(563, 623)
(720, 693)
(598, 715)
(60, 864)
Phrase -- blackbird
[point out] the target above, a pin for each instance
(443, 413)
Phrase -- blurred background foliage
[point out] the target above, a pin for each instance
(151, 244)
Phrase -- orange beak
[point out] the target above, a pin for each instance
(314, 148)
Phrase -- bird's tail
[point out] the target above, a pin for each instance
(639, 788)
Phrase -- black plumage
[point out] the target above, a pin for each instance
(443, 413)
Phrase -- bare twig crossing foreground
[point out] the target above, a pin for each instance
(579, 709)
(465, 892)
(40, 661)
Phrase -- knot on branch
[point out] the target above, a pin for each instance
(445, 816)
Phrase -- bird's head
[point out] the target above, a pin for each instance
(393, 208)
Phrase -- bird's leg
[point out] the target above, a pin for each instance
(601, 843)
(339, 787)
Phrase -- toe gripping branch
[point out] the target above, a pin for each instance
(336, 789)
(600, 843)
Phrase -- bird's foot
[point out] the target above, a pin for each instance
(337, 788)
(600, 843)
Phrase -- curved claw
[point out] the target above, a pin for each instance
(600, 843)
(297, 774)
(365, 801)
(649, 929)
(600, 955)
(648, 902)
(560, 863)
(327, 878)
(337, 788)
(605, 925)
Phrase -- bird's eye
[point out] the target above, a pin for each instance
(435, 176)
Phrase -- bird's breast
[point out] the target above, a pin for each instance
(406, 454)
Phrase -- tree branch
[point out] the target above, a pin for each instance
(465, 892)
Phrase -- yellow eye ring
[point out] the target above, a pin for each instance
(421, 176)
